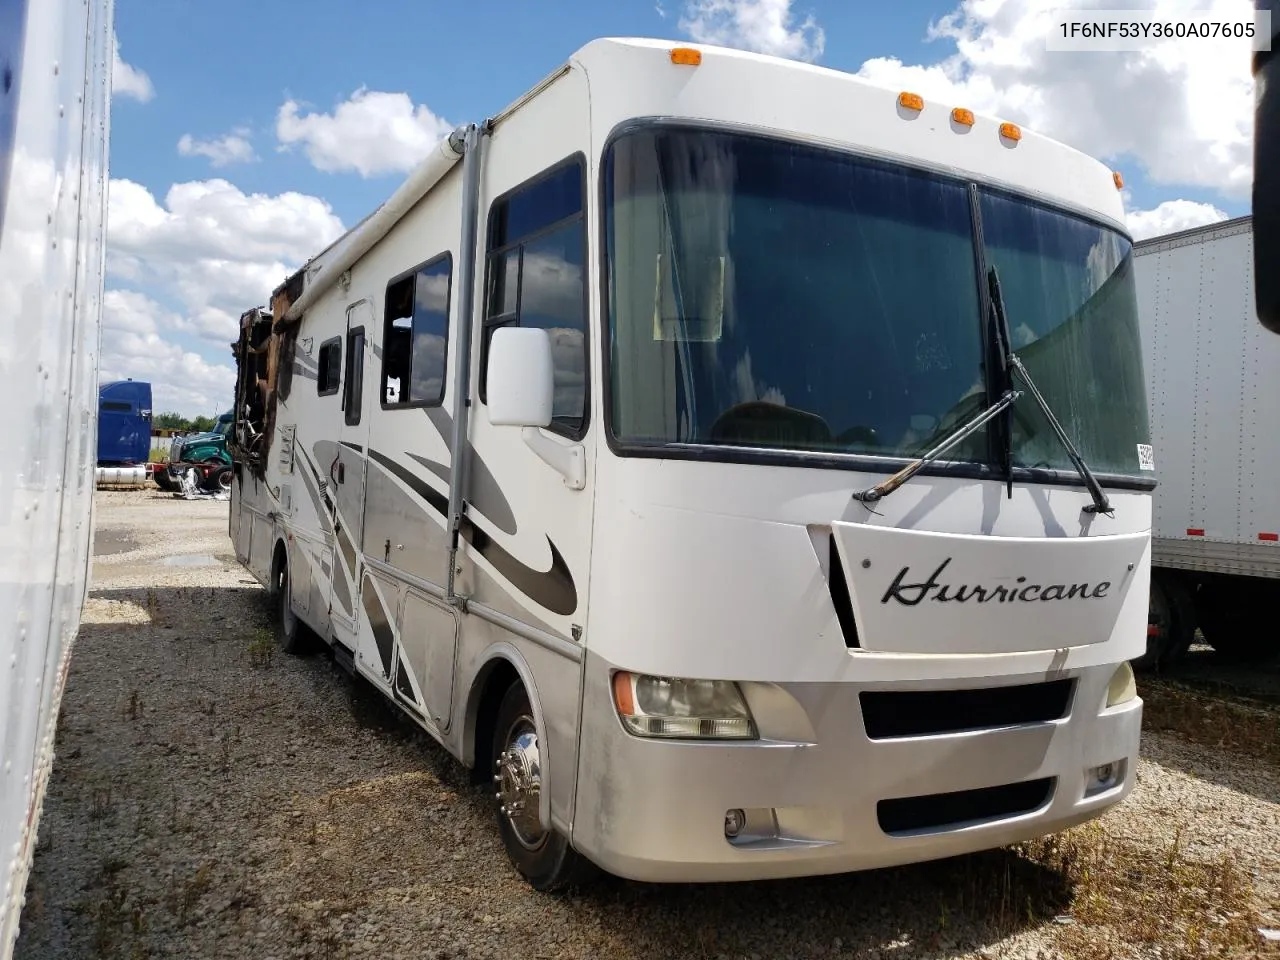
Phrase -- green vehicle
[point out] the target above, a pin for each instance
(207, 452)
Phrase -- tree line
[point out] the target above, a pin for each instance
(176, 421)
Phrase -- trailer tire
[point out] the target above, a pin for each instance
(1174, 615)
(1233, 623)
(545, 859)
(1186, 620)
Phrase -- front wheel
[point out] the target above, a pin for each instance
(544, 857)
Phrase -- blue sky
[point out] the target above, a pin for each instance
(245, 136)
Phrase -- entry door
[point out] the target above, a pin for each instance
(347, 477)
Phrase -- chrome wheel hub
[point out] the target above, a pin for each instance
(518, 775)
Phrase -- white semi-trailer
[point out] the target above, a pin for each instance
(1213, 386)
(55, 85)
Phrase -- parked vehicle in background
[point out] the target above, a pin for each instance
(743, 487)
(124, 423)
(205, 452)
(124, 434)
(1213, 388)
(55, 56)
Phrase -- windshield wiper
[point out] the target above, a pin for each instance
(1010, 362)
(886, 487)
(998, 330)
(1100, 502)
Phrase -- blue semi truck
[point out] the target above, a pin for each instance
(124, 423)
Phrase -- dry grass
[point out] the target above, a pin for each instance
(1127, 899)
(1223, 723)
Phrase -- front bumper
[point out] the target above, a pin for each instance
(815, 789)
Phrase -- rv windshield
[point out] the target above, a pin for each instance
(769, 294)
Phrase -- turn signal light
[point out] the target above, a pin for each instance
(686, 56)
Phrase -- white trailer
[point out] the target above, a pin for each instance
(1213, 384)
(55, 85)
(622, 449)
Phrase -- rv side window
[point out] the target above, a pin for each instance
(415, 335)
(354, 386)
(536, 278)
(330, 367)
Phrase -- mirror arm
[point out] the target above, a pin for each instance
(569, 461)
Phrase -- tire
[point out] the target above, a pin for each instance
(1185, 620)
(1160, 618)
(291, 631)
(1234, 623)
(1172, 613)
(545, 859)
(219, 481)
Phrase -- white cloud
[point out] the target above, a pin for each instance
(764, 26)
(1172, 216)
(211, 221)
(126, 80)
(1184, 111)
(372, 133)
(212, 250)
(133, 346)
(231, 148)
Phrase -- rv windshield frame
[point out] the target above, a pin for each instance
(983, 462)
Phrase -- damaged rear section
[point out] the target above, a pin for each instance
(266, 361)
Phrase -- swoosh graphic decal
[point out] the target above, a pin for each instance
(333, 573)
(380, 623)
(322, 492)
(553, 588)
(346, 551)
(313, 489)
(487, 497)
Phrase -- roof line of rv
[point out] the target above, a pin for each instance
(357, 241)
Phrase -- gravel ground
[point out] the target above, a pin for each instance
(212, 797)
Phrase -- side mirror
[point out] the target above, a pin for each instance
(521, 376)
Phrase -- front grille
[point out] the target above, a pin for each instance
(887, 714)
(940, 811)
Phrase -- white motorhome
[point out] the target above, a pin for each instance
(672, 447)
(55, 87)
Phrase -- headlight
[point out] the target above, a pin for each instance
(1122, 688)
(673, 707)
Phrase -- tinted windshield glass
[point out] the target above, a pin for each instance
(764, 293)
(1072, 311)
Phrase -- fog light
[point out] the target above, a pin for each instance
(1103, 777)
(1122, 687)
(734, 821)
